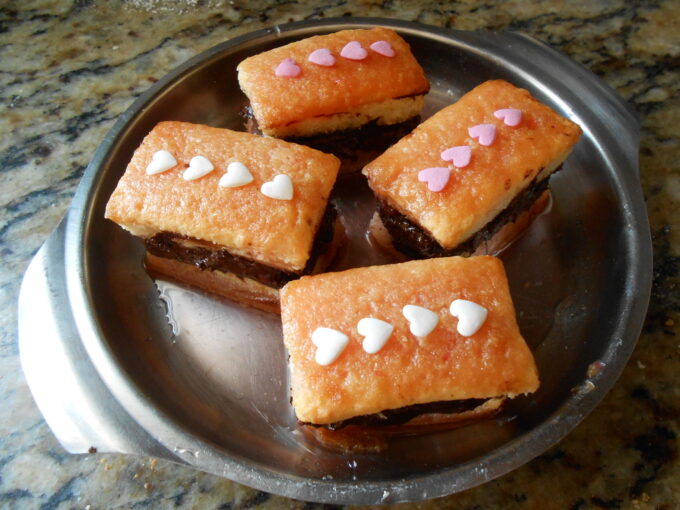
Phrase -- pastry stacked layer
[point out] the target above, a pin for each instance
(351, 93)
(236, 214)
(468, 172)
(401, 337)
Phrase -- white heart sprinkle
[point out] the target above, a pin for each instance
(280, 188)
(237, 175)
(470, 316)
(161, 161)
(198, 167)
(330, 343)
(421, 320)
(376, 333)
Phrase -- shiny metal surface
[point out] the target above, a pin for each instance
(214, 394)
(74, 401)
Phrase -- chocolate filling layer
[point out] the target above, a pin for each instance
(370, 137)
(415, 242)
(347, 145)
(209, 256)
(404, 414)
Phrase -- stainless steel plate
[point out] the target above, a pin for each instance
(214, 393)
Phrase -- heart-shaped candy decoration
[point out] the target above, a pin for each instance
(161, 161)
(486, 133)
(353, 50)
(383, 48)
(459, 156)
(421, 320)
(237, 175)
(288, 68)
(470, 316)
(322, 57)
(511, 116)
(280, 188)
(198, 167)
(375, 333)
(329, 345)
(436, 177)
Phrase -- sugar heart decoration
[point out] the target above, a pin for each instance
(353, 50)
(421, 320)
(383, 48)
(161, 161)
(375, 332)
(486, 133)
(436, 177)
(459, 156)
(237, 175)
(470, 316)
(510, 116)
(288, 68)
(198, 167)
(280, 188)
(322, 57)
(329, 345)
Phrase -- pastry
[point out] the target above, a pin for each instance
(469, 171)
(352, 93)
(412, 344)
(232, 213)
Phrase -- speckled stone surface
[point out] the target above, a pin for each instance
(69, 68)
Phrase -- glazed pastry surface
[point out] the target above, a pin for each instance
(476, 193)
(278, 233)
(324, 91)
(444, 365)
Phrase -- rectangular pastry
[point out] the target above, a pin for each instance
(233, 213)
(421, 342)
(350, 91)
(468, 171)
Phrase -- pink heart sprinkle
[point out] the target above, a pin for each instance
(436, 177)
(459, 155)
(322, 57)
(383, 48)
(353, 50)
(288, 68)
(486, 133)
(511, 116)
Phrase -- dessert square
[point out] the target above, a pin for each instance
(334, 82)
(275, 232)
(369, 341)
(456, 174)
(232, 213)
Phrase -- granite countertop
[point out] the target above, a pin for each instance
(68, 69)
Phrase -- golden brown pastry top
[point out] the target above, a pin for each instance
(278, 233)
(444, 365)
(318, 90)
(476, 193)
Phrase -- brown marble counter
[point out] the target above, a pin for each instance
(68, 69)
